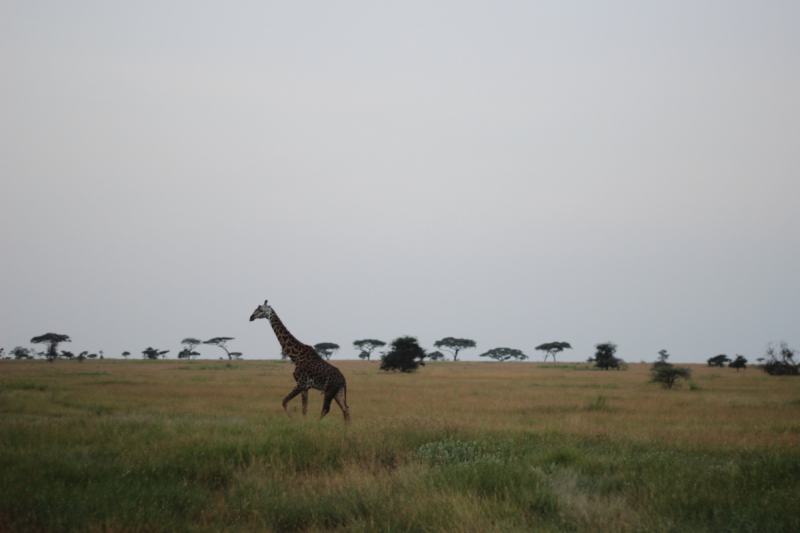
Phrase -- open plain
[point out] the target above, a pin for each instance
(156, 446)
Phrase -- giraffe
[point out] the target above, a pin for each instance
(310, 370)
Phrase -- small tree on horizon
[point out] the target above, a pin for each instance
(436, 356)
(667, 375)
(152, 353)
(663, 355)
(505, 354)
(739, 362)
(326, 349)
(126, 354)
(221, 343)
(604, 356)
(553, 348)
(188, 352)
(51, 341)
(719, 360)
(367, 346)
(780, 362)
(453, 345)
(22, 353)
(405, 355)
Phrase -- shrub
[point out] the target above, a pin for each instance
(406, 355)
(604, 356)
(739, 362)
(450, 452)
(780, 362)
(667, 375)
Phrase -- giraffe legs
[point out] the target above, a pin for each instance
(295, 392)
(305, 402)
(340, 399)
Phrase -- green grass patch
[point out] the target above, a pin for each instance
(22, 385)
(161, 451)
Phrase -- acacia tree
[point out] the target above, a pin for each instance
(739, 362)
(367, 346)
(454, 345)
(719, 360)
(436, 356)
(22, 353)
(152, 353)
(405, 355)
(504, 354)
(326, 349)
(190, 344)
(662, 359)
(553, 348)
(221, 341)
(126, 354)
(51, 341)
(667, 375)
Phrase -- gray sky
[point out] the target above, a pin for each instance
(511, 172)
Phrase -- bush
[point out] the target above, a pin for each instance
(739, 362)
(604, 356)
(666, 374)
(781, 362)
(406, 355)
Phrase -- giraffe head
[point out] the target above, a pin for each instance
(262, 311)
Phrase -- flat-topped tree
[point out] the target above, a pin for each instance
(51, 340)
(436, 356)
(454, 345)
(553, 348)
(190, 344)
(719, 360)
(326, 349)
(367, 346)
(505, 354)
(221, 341)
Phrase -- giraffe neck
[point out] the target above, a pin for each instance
(289, 343)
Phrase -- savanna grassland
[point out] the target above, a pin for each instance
(204, 446)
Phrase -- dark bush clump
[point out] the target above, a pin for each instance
(781, 362)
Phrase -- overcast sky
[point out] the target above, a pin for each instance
(511, 172)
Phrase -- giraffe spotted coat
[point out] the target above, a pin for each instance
(310, 370)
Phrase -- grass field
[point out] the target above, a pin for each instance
(205, 446)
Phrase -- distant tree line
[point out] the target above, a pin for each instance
(406, 355)
(51, 342)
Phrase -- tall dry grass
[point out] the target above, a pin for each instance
(205, 446)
